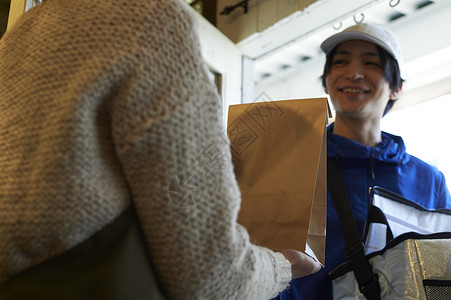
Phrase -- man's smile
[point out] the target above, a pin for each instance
(353, 90)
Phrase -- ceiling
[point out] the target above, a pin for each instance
(280, 48)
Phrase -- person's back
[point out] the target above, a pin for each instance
(71, 71)
(108, 103)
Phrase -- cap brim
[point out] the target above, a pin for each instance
(330, 43)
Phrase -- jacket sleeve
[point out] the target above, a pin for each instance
(175, 155)
(444, 197)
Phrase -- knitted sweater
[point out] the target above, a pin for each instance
(107, 103)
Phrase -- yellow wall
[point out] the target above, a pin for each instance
(261, 15)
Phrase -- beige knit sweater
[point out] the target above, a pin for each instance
(107, 102)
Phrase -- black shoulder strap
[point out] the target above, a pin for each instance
(367, 280)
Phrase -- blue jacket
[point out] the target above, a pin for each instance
(387, 165)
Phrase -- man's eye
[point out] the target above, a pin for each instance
(373, 63)
(339, 62)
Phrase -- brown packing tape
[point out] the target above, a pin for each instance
(279, 155)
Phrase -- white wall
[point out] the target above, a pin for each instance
(423, 35)
(224, 57)
(301, 81)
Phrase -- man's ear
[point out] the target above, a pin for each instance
(394, 95)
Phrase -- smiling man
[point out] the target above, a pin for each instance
(363, 79)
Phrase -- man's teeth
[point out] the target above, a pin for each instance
(353, 90)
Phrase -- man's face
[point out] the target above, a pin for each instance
(356, 83)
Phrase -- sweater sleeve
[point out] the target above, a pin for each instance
(170, 140)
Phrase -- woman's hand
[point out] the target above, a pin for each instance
(301, 263)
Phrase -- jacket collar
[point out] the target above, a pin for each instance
(391, 149)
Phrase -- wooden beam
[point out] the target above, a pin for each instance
(209, 10)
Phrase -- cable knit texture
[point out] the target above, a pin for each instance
(108, 102)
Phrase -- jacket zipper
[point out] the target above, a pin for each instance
(372, 164)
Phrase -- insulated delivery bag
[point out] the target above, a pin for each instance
(408, 248)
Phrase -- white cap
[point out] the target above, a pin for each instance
(372, 33)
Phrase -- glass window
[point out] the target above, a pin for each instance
(425, 130)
